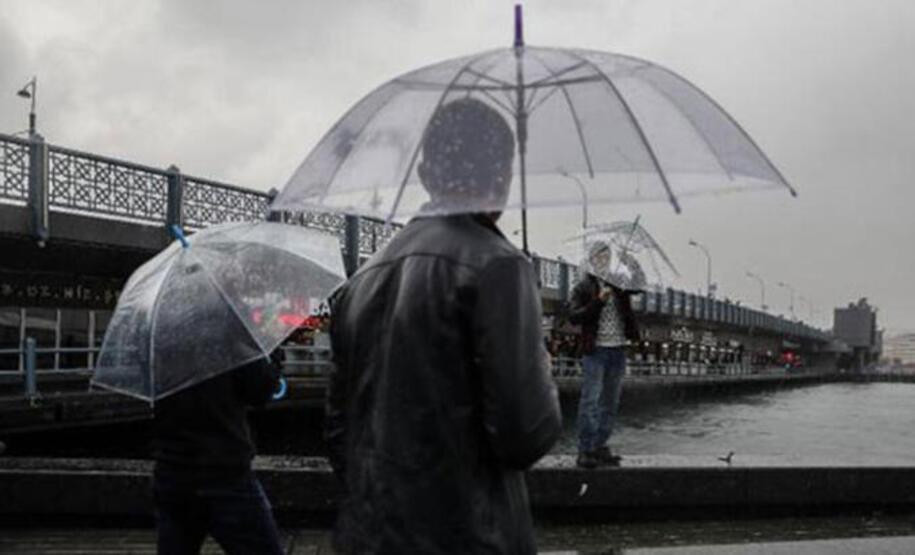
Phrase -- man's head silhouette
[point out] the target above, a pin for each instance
(468, 151)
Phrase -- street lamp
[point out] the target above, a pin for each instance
(584, 197)
(708, 258)
(30, 91)
(785, 285)
(762, 290)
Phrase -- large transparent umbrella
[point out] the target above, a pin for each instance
(223, 297)
(623, 253)
(627, 129)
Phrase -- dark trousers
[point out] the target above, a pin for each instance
(229, 505)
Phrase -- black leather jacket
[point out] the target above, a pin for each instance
(441, 396)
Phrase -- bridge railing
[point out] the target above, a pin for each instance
(316, 362)
(47, 177)
(14, 169)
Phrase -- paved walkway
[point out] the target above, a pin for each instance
(875, 533)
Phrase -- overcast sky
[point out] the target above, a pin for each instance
(240, 91)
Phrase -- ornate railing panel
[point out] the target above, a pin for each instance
(14, 168)
(207, 202)
(84, 182)
(550, 273)
(328, 222)
(374, 234)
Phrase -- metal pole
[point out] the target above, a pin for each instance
(32, 117)
(57, 341)
(91, 339)
(584, 197)
(521, 121)
(708, 272)
(174, 210)
(31, 386)
(351, 244)
(22, 325)
(38, 188)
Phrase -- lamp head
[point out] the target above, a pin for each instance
(24, 92)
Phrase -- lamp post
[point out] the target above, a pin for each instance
(584, 197)
(762, 290)
(708, 273)
(788, 287)
(30, 91)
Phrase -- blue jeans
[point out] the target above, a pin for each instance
(231, 507)
(601, 387)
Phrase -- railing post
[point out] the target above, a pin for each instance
(38, 188)
(564, 282)
(174, 215)
(31, 385)
(351, 244)
(272, 215)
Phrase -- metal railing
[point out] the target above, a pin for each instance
(88, 183)
(300, 361)
(14, 169)
(317, 362)
(208, 202)
(570, 367)
(71, 180)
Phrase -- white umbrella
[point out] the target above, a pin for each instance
(223, 297)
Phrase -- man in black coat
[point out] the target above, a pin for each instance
(442, 395)
(203, 482)
(604, 312)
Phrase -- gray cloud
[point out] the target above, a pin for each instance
(240, 91)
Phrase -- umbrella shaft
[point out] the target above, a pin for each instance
(521, 132)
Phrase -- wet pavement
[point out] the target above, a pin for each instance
(875, 533)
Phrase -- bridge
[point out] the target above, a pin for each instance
(74, 225)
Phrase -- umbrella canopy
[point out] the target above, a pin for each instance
(231, 296)
(624, 128)
(624, 254)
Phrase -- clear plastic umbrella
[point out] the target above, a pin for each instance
(225, 296)
(627, 129)
(624, 254)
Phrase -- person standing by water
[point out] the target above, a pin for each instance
(442, 394)
(604, 312)
(203, 482)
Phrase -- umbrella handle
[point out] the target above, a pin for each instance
(178, 234)
(281, 392)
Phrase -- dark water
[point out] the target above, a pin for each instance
(832, 424)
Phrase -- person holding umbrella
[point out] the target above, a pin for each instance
(196, 334)
(203, 482)
(442, 394)
(604, 312)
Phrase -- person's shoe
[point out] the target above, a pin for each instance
(587, 459)
(606, 458)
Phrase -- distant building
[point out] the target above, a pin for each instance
(856, 326)
(900, 349)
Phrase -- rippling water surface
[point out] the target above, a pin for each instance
(833, 424)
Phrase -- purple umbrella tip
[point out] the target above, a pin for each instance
(519, 27)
